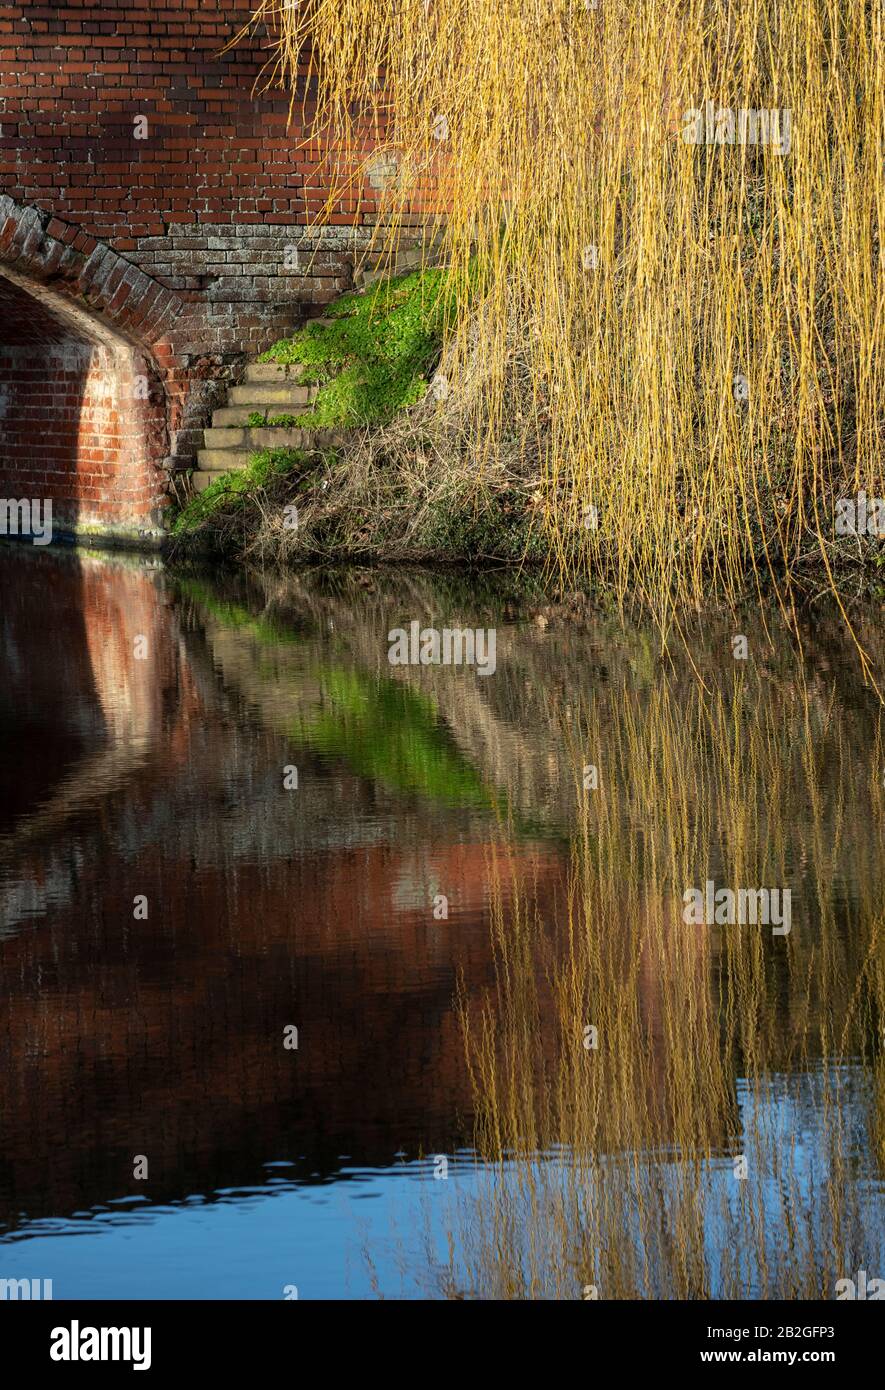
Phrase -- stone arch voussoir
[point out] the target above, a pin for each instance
(91, 275)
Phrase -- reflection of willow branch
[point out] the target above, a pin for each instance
(823, 652)
(94, 778)
(523, 730)
(613, 1165)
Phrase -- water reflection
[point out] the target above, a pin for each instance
(162, 776)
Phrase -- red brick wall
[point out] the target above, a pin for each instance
(127, 121)
(68, 433)
(81, 421)
(191, 243)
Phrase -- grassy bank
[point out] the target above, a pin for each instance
(407, 484)
(670, 370)
(404, 487)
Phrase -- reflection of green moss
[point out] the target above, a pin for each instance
(264, 630)
(385, 731)
(390, 734)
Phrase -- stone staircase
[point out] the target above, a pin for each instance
(269, 389)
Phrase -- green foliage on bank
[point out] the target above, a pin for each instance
(376, 355)
(225, 494)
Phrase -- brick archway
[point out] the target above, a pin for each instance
(90, 273)
(90, 390)
(155, 186)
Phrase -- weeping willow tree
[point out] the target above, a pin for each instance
(669, 214)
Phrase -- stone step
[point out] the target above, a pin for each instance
(237, 416)
(223, 460)
(238, 456)
(365, 279)
(259, 394)
(403, 262)
(270, 437)
(200, 481)
(273, 371)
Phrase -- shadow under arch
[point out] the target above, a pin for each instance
(87, 377)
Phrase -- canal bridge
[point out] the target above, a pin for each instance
(161, 221)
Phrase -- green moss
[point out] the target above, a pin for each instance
(230, 491)
(381, 728)
(234, 615)
(375, 357)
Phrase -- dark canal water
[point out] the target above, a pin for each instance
(519, 1070)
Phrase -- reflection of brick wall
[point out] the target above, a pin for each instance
(165, 1037)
